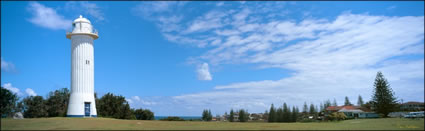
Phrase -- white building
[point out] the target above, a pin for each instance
(82, 101)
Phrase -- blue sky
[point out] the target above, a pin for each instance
(178, 58)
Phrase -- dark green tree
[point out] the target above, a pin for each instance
(113, 106)
(383, 98)
(231, 115)
(305, 107)
(35, 107)
(127, 112)
(312, 109)
(8, 102)
(272, 114)
(286, 115)
(347, 102)
(279, 114)
(243, 115)
(294, 114)
(360, 101)
(204, 115)
(57, 102)
(209, 115)
(144, 114)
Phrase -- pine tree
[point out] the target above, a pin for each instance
(312, 110)
(294, 114)
(360, 101)
(272, 114)
(209, 115)
(231, 115)
(204, 115)
(327, 104)
(383, 99)
(305, 107)
(279, 114)
(286, 113)
(243, 115)
(334, 103)
(347, 101)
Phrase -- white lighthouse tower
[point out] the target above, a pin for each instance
(82, 101)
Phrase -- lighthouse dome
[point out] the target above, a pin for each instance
(82, 26)
(81, 20)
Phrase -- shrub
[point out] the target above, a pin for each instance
(172, 118)
(337, 116)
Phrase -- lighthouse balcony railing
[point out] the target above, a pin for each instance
(93, 31)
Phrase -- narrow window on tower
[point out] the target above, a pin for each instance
(87, 62)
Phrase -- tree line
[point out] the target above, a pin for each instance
(206, 115)
(383, 102)
(283, 114)
(242, 115)
(56, 105)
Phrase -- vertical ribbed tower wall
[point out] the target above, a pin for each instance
(82, 102)
(82, 75)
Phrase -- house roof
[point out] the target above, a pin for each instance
(333, 108)
(413, 103)
(347, 108)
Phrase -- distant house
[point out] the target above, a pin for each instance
(352, 111)
(256, 116)
(235, 117)
(251, 117)
(412, 106)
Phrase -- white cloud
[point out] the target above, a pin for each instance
(327, 58)
(30, 92)
(334, 58)
(47, 17)
(204, 72)
(11, 88)
(148, 9)
(137, 102)
(137, 98)
(210, 20)
(130, 101)
(148, 103)
(7, 66)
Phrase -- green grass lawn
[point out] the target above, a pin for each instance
(59, 123)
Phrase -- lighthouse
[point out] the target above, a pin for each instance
(82, 101)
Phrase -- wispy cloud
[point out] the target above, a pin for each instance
(47, 17)
(392, 7)
(334, 57)
(85, 8)
(149, 9)
(204, 72)
(137, 102)
(330, 58)
(7, 66)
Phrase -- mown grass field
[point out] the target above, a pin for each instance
(60, 123)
